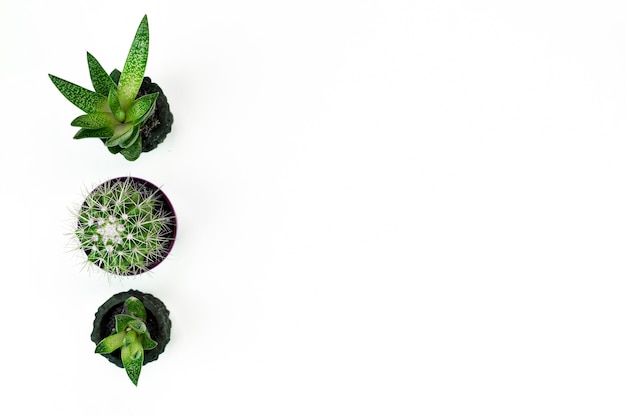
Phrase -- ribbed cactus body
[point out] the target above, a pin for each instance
(126, 226)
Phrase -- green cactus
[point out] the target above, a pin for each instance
(126, 226)
(131, 336)
(113, 112)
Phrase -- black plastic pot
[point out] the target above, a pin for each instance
(146, 188)
(158, 125)
(158, 323)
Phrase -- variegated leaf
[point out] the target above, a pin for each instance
(128, 141)
(100, 80)
(132, 152)
(142, 108)
(86, 100)
(104, 132)
(132, 360)
(135, 66)
(110, 343)
(96, 120)
(135, 307)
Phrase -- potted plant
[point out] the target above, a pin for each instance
(125, 226)
(131, 329)
(128, 112)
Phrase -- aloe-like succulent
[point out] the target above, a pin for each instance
(113, 112)
(131, 336)
(126, 226)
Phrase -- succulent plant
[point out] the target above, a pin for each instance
(113, 112)
(126, 226)
(131, 336)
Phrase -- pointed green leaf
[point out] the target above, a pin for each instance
(120, 133)
(114, 149)
(135, 307)
(97, 120)
(121, 322)
(86, 100)
(138, 326)
(142, 108)
(110, 343)
(132, 361)
(147, 342)
(135, 66)
(115, 76)
(132, 152)
(127, 142)
(101, 81)
(105, 132)
(114, 105)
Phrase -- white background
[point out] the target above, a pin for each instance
(386, 208)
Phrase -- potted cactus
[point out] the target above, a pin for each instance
(131, 329)
(128, 112)
(125, 226)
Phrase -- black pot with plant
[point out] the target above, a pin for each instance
(131, 329)
(126, 110)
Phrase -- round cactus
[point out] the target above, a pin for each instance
(126, 226)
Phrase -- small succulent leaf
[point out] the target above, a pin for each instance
(132, 152)
(138, 326)
(132, 362)
(136, 350)
(142, 108)
(115, 75)
(112, 142)
(147, 342)
(135, 307)
(114, 149)
(101, 81)
(135, 65)
(86, 100)
(96, 120)
(121, 322)
(130, 140)
(105, 132)
(114, 105)
(129, 338)
(110, 343)
(120, 132)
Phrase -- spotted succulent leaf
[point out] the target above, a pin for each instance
(142, 108)
(104, 132)
(135, 66)
(132, 359)
(147, 342)
(128, 141)
(132, 152)
(100, 80)
(136, 308)
(138, 326)
(96, 120)
(121, 132)
(110, 343)
(86, 100)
